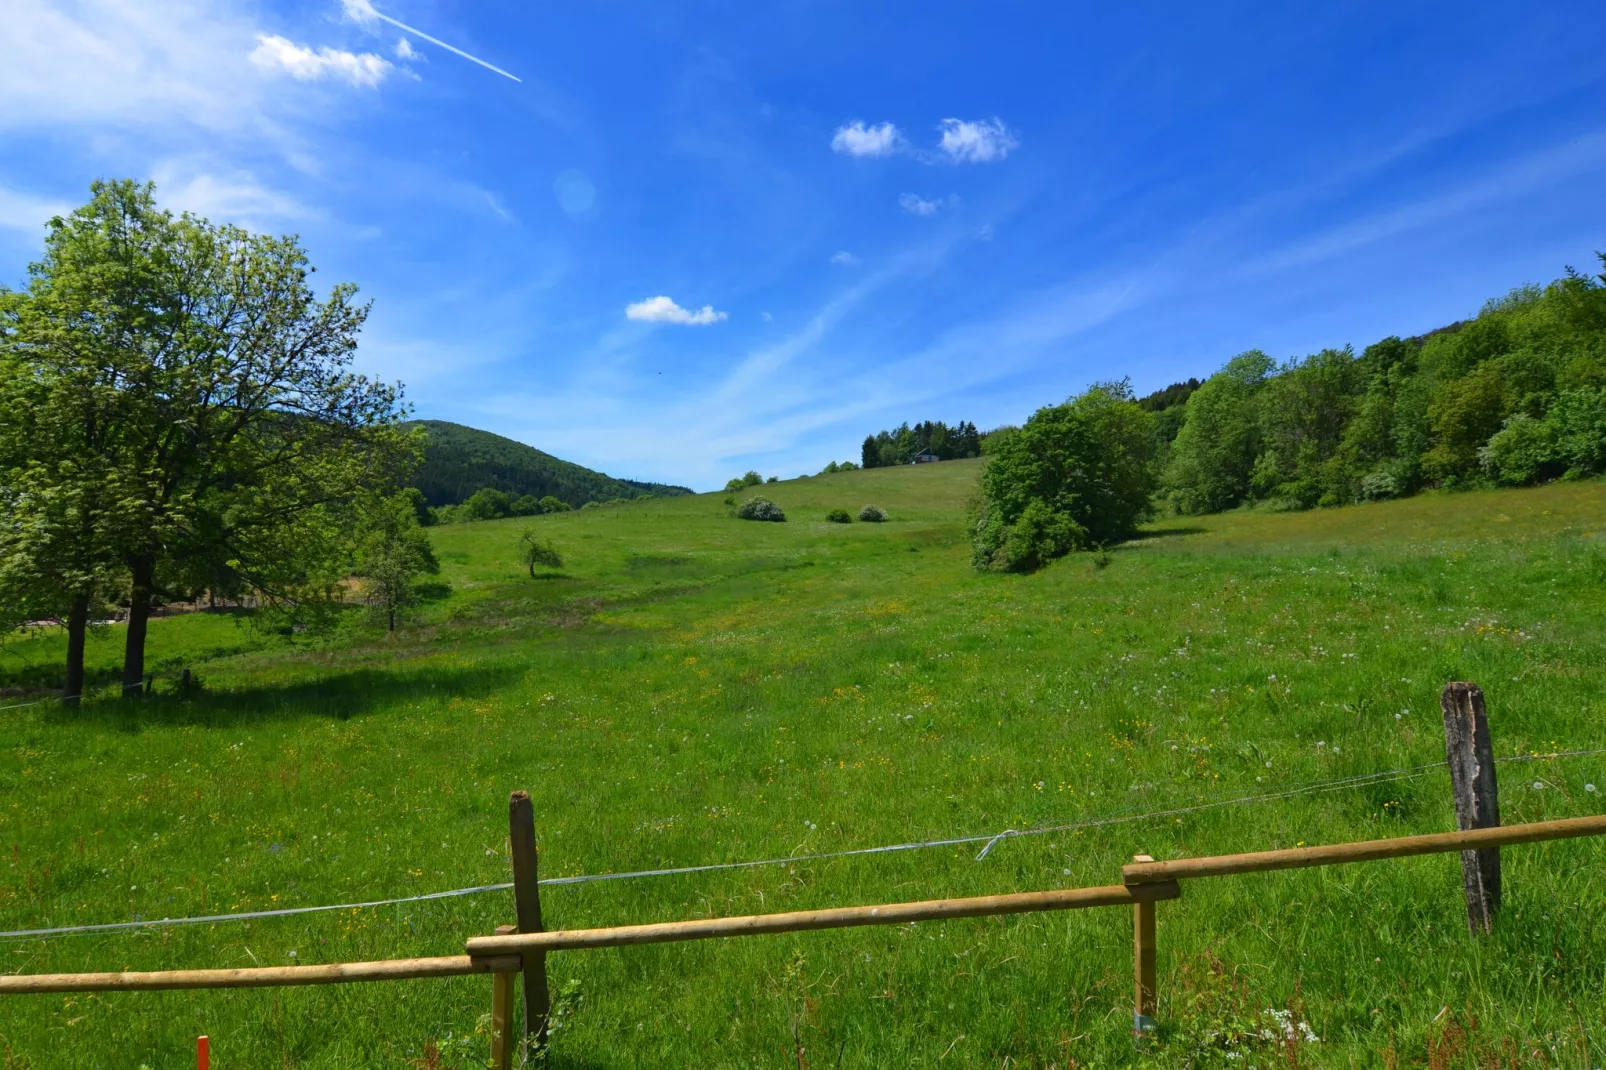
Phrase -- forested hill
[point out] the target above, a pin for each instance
(460, 460)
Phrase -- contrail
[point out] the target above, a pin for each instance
(362, 10)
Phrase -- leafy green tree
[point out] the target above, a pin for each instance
(415, 497)
(230, 433)
(487, 503)
(870, 453)
(1076, 476)
(1215, 452)
(549, 504)
(58, 558)
(395, 550)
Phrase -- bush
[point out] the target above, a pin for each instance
(1379, 486)
(760, 509)
(1570, 440)
(839, 516)
(870, 514)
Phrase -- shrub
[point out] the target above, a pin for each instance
(839, 516)
(1379, 486)
(870, 514)
(1570, 440)
(760, 509)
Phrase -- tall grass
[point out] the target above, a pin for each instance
(693, 689)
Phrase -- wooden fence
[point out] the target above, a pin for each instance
(521, 950)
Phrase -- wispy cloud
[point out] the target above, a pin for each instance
(857, 139)
(22, 211)
(1516, 179)
(363, 11)
(235, 196)
(843, 258)
(275, 53)
(976, 140)
(662, 309)
(406, 51)
(915, 204)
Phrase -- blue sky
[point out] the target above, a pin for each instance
(700, 237)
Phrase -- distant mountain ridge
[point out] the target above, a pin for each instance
(460, 460)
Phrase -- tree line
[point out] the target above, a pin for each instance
(1514, 396)
(178, 415)
(904, 443)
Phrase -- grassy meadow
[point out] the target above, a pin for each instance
(693, 689)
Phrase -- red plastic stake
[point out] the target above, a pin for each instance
(203, 1053)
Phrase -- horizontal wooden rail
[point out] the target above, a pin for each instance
(335, 973)
(1136, 874)
(837, 918)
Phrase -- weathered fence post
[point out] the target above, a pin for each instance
(503, 1017)
(1143, 1003)
(1470, 753)
(527, 898)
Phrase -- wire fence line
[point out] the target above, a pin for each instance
(59, 698)
(1128, 815)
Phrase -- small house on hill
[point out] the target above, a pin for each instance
(925, 457)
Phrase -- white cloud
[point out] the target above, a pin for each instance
(857, 139)
(767, 317)
(843, 258)
(129, 65)
(664, 310)
(22, 211)
(915, 204)
(976, 141)
(301, 62)
(360, 11)
(405, 50)
(233, 197)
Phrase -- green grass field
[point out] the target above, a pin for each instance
(694, 689)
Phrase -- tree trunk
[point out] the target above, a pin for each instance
(139, 615)
(77, 625)
(392, 628)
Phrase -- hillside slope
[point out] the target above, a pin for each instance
(460, 460)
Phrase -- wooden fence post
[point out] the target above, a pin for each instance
(527, 898)
(1470, 753)
(1143, 1004)
(503, 1017)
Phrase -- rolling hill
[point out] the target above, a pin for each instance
(460, 460)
